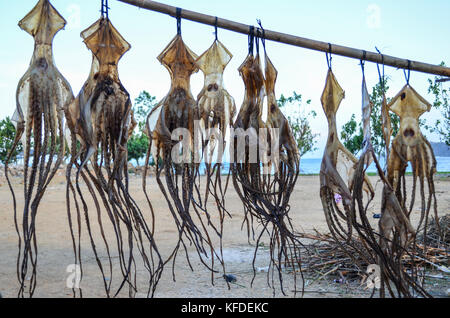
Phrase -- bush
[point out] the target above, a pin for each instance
(7, 136)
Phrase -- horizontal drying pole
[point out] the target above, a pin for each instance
(293, 40)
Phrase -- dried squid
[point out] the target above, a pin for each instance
(409, 146)
(377, 250)
(171, 130)
(338, 168)
(216, 112)
(101, 121)
(265, 168)
(41, 95)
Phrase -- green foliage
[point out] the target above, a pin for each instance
(299, 123)
(351, 136)
(352, 133)
(137, 147)
(7, 136)
(144, 104)
(138, 143)
(441, 102)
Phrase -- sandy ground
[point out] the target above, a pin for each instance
(56, 253)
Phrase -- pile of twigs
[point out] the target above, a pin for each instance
(437, 235)
(426, 256)
(323, 256)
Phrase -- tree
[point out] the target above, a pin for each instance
(352, 137)
(137, 147)
(138, 143)
(144, 104)
(7, 136)
(299, 123)
(441, 102)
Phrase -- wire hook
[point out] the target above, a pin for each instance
(263, 37)
(105, 9)
(329, 57)
(363, 61)
(382, 78)
(251, 39)
(408, 75)
(178, 16)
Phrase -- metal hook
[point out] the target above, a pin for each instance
(329, 57)
(178, 16)
(263, 37)
(105, 9)
(407, 76)
(251, 39)
(363, 62)
(363, 59)
(257, 41)
(382, 78)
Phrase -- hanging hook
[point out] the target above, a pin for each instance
(251, 39)
(263, 37)
(178, 16)
(329, 57)
(363, 61)
(382, 78)
(408, 75)
(105, 9)
(257, 37)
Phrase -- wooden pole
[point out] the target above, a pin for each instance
(294, 40)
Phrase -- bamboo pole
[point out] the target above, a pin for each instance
(294, 40)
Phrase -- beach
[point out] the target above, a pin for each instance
(56, 252)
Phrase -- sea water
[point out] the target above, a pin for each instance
(312, 166)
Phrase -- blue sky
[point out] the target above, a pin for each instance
(411, 29)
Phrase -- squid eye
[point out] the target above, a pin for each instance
(42, 63)
(213, 87)
(403, 96)
(273, 108)
(408, 133)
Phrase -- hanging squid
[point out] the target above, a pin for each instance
(216, 107)
(41, 95)
(216, 112)
(265, 168)
(410, 146)
(394, 276)
(101, 121)
(338, 168)
(173, 146)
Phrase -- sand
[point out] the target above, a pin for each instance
(56, 253)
